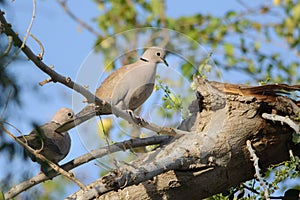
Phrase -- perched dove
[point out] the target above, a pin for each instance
(127, 88)
(54, 146)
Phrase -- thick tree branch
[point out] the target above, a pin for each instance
(214, 156)
(177, 155)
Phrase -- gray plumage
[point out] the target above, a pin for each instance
(126, 88)
(54, 146)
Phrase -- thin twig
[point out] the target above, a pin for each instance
(8, 48)
(30, 24)
(248, 8)
(44, 159)
(76, 19)
(6, 104)
(255, 159)
(41, 54)
(48, 80)
(291, 154)
(256, 192)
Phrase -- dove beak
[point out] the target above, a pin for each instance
(74, 122)
(165, 62)
(66, 126)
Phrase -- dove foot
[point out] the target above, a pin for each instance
(137, 119)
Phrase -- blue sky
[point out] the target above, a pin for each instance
(66, 47)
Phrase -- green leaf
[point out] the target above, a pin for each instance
(187, 69)
(1, 195)
(230, 14)
(296, 138)
(228, 48)
(296, 12)
(257, 26)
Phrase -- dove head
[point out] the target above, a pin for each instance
(63, 115)
(154, 55)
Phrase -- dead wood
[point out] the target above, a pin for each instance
(214, 156)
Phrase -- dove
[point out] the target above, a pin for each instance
(54, 146)
(127, 88)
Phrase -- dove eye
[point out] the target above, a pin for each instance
(158, 53)
(70, 114)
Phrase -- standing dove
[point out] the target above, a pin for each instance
(127, 88)
(54, 146)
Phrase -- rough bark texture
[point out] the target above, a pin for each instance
(214, 156)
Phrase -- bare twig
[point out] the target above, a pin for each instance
(256, 192)
(30, 24)
(41, 54)
(8, 48)
(291, 154)
(6, 104)
(282, 119)
(248, 8)
(48, 80)
(98, 153)
(76, 19)
(255, 159)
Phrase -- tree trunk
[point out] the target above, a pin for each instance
(212, 156)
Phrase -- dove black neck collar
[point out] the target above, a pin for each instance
(143, 59)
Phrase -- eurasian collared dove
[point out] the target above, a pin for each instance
(127, 88)
(54, 146)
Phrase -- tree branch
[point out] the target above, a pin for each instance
(39, 156)
(30, 24)
(175, 156)
(98, 153)
(42, 66)
(286, 120)
(91, 98)
(214, 156)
